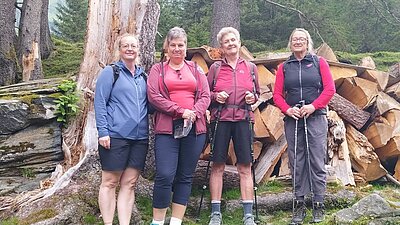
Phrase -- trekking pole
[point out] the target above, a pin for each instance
(253, 161)
(308, 156)
(212, 136)
(295, 165)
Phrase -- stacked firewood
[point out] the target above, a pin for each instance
(364, 115)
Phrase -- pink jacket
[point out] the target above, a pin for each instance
(235, 82)
(166, 109)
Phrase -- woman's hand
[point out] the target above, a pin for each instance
(221, 97)
(189, 114)
(294, 112)
(249, 98)
(307, 110)
(105, 142)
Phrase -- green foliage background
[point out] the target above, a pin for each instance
(352, 26)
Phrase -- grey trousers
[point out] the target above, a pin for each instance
(317, 126)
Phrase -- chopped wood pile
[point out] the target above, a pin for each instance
(364, 119)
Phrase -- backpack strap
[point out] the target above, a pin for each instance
(215, 74)
(115, 73)
(253, 76)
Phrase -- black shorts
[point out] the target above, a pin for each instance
(123, 153)
(239, 132)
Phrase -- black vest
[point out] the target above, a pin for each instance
(302, 79)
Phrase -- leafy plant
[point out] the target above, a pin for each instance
(28, 172)
(66, 104)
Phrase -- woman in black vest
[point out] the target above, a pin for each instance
(303, 89)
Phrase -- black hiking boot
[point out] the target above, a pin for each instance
(318, 212)
(299, 212)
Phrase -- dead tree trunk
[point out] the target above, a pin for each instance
(46, 45)
(7, 37)
(29, 40)
(226, 13)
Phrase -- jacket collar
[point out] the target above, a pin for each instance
(138, 69)
(308, 57)
(240, 60)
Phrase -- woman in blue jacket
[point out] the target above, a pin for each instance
(122, 124)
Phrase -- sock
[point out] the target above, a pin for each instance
(157, 222)
(247, 207)
(175, 221)
(215, 206)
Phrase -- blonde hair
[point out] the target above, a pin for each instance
(127, 35)
(310, 42)
(226, 30)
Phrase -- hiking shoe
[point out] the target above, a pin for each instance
(318, 212)
(215, 218)
(249, 220)
(299, 212)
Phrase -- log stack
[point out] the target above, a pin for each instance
(364, 119)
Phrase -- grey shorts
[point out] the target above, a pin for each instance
(123, 153)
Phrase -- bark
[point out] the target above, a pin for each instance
(226, 13)
(349, 112)
(29, 40)
(7, 37)
(46, 45)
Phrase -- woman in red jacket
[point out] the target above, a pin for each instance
(303, 89)
(179, 92)
(234, 87)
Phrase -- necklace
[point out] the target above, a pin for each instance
(176, 67)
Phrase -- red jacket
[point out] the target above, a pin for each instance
(167, 110)
(235, 82)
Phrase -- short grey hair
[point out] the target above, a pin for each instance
(310, 43)
(226, 30)
(173, 33)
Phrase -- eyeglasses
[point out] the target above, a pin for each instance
(178, 72)
(126, 46)
(301, 39)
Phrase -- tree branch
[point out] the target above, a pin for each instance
(390, 12)
(380, 13)
(301, 15)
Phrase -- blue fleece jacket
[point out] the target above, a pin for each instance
(121, 111)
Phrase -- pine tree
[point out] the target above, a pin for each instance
(70, 24)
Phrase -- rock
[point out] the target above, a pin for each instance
(372, 206)
(27, 154)
(13, 116)
(368, 62)
(16, 115)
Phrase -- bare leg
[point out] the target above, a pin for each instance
(126, 195)
(246, 181)
(109, 181)
(178, 210)
(159, 214)
(216, 183)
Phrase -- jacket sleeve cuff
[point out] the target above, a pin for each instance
(180, 111)
(103, 133)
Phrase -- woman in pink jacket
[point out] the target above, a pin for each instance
(179, 92)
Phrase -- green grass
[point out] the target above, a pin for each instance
(65, 60)
(383, 60)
